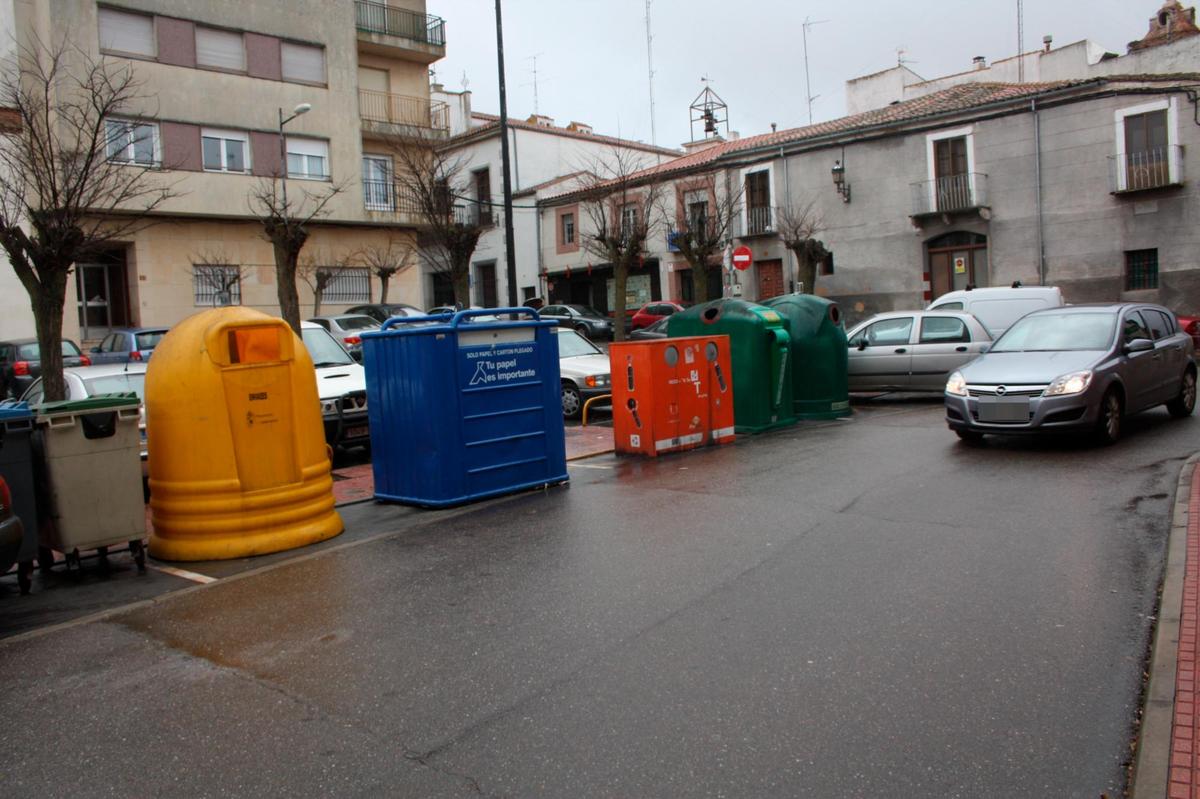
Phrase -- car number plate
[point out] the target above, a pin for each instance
(1015, 409)
(357, 432)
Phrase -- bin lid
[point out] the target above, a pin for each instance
(13, 411)
(93, 404)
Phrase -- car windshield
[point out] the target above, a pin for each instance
(357, 323)
(587, 310)
(30, 351)
(117, 383)
(1053, 332)
(324, 350)
(149, 339)
(571, 344)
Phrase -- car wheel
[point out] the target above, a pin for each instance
(582, 330)
(572, 402)
(969, 436)
(1108, 425)
(1185, 403)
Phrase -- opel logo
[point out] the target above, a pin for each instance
(1001, 390)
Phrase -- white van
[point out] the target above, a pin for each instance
(998, 308)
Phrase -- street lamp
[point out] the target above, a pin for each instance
(839, 181)
(303, 108)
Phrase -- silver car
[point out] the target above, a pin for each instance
(1079, 367)
(912, 350)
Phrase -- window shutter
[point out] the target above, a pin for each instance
(303, 62)
(126, 33)
(221, 49)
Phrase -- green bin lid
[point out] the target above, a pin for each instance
(94, 404)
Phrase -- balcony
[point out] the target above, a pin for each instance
(950, 196)
(398, 32)
(1153, 169)
(387, 200)
(387, 114)
(758, 221)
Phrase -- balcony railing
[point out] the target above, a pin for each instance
(1151, 169)
(759, 221)
(389, 197)
(398, 109)
(375, 17)
(950, 194)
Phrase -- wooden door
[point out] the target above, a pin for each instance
(770, 279)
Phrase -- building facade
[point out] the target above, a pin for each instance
(217, 78)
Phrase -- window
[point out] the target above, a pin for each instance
(888, 332)
(943, 330)
(216, 284)
(568, 228)
(129, 142)
(125, 33)
(352, 284)
(696, 203)
(758, 203)
(377, 183)
(224, 151)
(1157, 323)
(220, 49)
(1167, 323)
(303, 63)
(1146, 150)
(1135, 327)
(483, 193)
(628, 220)
(1141, 270)
(308, 159)
(826, 265)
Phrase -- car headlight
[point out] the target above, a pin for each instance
(956, 385)
(328, 407)
(1073, 383)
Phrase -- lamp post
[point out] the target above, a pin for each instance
(303, 108)
(839, 181)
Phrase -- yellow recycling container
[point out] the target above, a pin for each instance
(238, 463)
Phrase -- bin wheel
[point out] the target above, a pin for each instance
(102, 554)
(45, 558)
(25, 576)
(138, 550)
(73, 561)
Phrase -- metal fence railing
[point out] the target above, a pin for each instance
(759, 220)
(390, 196)
(950, 193)
(375, 17)
(216, 285)
(348, 284)
(1149, 169)
(399, 109)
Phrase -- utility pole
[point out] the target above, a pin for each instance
(650, 74)
(510, 254)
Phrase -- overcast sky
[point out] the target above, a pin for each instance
(592, 53)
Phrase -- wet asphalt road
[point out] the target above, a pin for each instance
(859, 608)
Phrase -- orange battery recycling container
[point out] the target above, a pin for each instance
(671, 394)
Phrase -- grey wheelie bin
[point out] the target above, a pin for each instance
(92, 494)
(16, 467)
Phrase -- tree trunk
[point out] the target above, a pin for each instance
(700, 282)
(806, 273)
(620, 279)
(48, 319)
(462, 287)
(285, 280)
(383, 287)
(318, 295)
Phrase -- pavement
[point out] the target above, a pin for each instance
(853, 608)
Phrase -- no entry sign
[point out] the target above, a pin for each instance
(742, 258)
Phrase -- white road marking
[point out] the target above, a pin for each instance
(203, 579)
(588, 466)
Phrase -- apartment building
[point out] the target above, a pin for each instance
(1086, 183)
(218, 77)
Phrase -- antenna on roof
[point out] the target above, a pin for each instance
(1020, 41)
(808, 95)
(901, 61)
(465, 81)
(650, 73)
(534, 69)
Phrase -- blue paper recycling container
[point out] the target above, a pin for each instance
(463, 408)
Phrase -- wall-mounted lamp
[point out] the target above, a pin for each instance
(839, 181)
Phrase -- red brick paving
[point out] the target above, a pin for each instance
(1185, 762)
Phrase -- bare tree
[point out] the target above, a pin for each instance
(319, 270)
(285, 222)
(215, 271)
(799, 226)
(387, 261)
(623, 209)
(704, 216)
(431, 182)
(77, 175)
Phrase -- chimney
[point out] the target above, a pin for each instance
(436, 87)
(1047, 40)
(772, 127)
(980, 62)
(702, 144)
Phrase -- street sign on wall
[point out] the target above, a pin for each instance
(742, 258)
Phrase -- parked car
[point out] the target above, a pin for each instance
(655, 331)
(11, 533)
(21, 363)
(88, 381)
(997, 308)
(582, 319)
(1082, 367)
(381, 312)
(347, 328)
(584, 371)
(341, 387)
(127, 344)
(1191, 326)
(912, 350)
(651, 312)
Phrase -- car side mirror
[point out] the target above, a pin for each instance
(862, 344)
(984, 348)
(94, 349)
(1138, 345)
